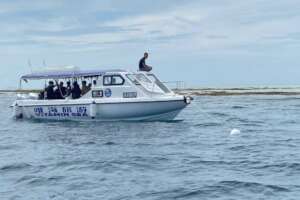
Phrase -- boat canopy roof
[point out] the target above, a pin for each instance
(61, 74)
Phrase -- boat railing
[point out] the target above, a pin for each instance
(175, 85)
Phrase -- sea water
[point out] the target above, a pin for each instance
(223, 147)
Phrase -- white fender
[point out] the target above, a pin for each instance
(93, 110)
(17, 111)
(188, 99)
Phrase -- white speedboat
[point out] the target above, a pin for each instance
(114, 95)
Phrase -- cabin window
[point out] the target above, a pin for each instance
(113, 80)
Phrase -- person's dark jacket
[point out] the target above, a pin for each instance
(50, 92)
(63, 90)
(76, 91)
(68, 90)
(143, 66)
(60, 92)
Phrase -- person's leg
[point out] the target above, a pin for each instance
(148, 68)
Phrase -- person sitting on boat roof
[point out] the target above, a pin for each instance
(142, 64)
(76, 91)
(50, 90)
(60, 91)
(84, 89)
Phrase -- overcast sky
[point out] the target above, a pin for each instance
(203, 42)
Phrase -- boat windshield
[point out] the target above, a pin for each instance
(159, 83)
(150, 82)
(133, 78)
(139, 78)
(142, 78)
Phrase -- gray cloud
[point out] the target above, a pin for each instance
(208, 25)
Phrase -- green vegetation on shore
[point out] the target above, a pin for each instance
(20, 91)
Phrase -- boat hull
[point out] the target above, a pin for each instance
(103, 111)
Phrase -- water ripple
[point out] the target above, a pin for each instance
(190, 159)
(15, 167)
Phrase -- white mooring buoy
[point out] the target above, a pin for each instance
(235, 131)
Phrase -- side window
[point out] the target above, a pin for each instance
(107, 80)
(113, 80)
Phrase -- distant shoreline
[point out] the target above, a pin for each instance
(288, 91)
(239, 91)
(227, 93)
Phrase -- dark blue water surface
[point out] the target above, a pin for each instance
(196, 158)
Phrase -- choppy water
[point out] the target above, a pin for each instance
(196, 158)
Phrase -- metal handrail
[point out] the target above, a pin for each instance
(179, 85)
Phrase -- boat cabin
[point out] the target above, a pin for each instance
(100, 84)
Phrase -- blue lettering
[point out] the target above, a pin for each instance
(66, 111)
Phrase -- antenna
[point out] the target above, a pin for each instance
(29, 65)
(44, 63)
